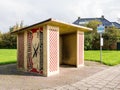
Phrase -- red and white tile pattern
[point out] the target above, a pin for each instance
(81, 48)
(20, 50)
(53, 49)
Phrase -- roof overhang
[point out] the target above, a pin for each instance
(64, 27)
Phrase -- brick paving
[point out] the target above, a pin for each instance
(108, 79)
(93, 76)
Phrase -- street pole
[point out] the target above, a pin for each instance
(101, 47)
(100, 30)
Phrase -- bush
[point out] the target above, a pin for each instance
(8, 41)
(92, 39)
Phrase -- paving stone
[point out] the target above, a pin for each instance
(3, 89)
(77, 84)
(93, 88)
(107, 88)
(102, 84)
(87, 85)
(109, 78)
(49, 89)
(91, 83)
(82, 88)
(118, 86)
(113, 84)
(69, 87)
(110, 86)
(98, 86)
(58, 88)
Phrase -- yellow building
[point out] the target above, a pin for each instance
(43, 47)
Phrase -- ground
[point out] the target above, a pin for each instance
(93, 76)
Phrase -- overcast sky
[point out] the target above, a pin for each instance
(33, 11)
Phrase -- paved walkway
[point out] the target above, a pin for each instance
(108, 79)
(93, 76)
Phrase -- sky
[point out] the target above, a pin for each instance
(34, 11)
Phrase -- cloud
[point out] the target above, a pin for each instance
(33, 11)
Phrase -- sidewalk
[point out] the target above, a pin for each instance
(108, 79)
(69, 77)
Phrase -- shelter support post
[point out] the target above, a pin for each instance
(80, 48)
(51, 50)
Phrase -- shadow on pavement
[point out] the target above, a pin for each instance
(11, 69)
(90, 68)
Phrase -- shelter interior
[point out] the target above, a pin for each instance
(68, 49)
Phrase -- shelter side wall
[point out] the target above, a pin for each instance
(80, 48)
(53, 48)
(25, 51)
(46, 51)
(69, 49)
(35, 50)
(20, 50)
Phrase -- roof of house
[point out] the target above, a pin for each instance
(65, 27)
(105, 22)
(116, 24)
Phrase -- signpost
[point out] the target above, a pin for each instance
(101, 29)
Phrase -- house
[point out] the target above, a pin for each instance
(44, 46)
(105, 22)
(116, 24)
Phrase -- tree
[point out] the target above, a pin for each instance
(111, 37)
(8, 40)
(17, 26)
(92, 38)
(0, 36)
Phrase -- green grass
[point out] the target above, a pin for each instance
(108, 57)
(8, 56)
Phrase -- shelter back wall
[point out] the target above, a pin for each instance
(69, 49)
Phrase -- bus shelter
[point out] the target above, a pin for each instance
(44, 46)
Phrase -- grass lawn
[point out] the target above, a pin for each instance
(108, 57)
(8, 56)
